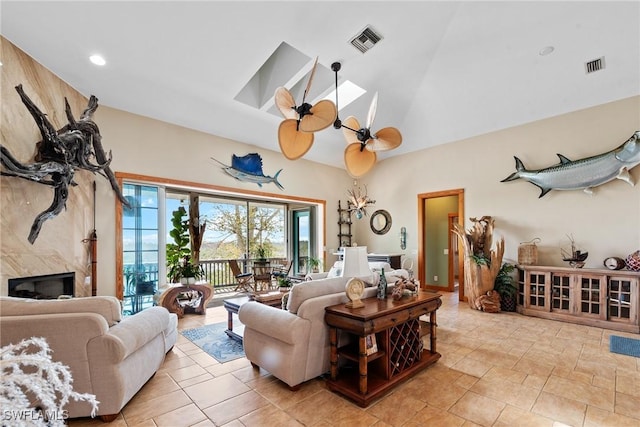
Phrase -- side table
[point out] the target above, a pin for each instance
(232, 305)
(171, 301)
(399, 351)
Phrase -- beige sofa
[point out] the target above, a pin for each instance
(108, 356)
(293, 344)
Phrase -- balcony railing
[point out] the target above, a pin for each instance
(216, 272)
(141, 282)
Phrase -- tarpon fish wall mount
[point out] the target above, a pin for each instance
(248, 168)
(584, 174)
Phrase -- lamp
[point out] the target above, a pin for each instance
(355, 262)
(356, 266)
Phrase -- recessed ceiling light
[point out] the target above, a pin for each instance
(546, 50)
(97, 59)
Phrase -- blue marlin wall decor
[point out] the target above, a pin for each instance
(584, 174)
(248, 168)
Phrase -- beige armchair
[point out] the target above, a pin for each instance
(108, 356)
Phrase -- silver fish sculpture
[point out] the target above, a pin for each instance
(583, 174)
(248, 168)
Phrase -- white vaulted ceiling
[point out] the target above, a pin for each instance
(444, 70)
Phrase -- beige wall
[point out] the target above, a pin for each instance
(606, 223)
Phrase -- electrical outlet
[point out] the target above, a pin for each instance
(446, 251)
(435, 278)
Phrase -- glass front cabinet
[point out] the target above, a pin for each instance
(595, 297)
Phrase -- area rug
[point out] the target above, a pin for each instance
(212, 339)
(622, 345)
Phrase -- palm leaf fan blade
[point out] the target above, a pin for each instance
(350, 135)
(385, 139)
(323, 114)
(285, 103)
(313, 72)
(293, 143)
(358, 162)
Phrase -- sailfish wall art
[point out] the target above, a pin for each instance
(248, 168)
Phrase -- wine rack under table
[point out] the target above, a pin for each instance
(364, 375)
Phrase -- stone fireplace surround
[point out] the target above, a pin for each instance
(61, 245)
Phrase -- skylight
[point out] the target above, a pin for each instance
(347, 93)
(290, 68)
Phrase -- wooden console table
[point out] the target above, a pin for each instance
(400, 351)
(171, 301)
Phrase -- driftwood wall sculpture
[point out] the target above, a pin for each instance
(77, 145)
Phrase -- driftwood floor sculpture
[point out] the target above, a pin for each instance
(481, 263)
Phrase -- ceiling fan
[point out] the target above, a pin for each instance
(360, 155)
(295, 133)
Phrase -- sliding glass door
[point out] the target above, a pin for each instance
(301, 250)
(236, 228)
(140, 246)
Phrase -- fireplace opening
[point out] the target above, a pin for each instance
(49, 286)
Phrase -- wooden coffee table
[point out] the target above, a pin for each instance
(232, 305)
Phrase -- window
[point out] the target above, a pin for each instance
(301, 238)
(236, 228)
(140, 247)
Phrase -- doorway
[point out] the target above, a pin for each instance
(454, 272)
(436, 250)
(303, 239)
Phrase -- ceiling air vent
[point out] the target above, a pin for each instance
(595, 65)
(366, 39)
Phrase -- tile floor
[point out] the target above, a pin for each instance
(499, 369)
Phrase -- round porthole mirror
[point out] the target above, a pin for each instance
(380, 222)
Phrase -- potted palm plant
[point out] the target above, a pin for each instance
(314, 264)
(505, 287)
(261, 253)
(187, 272)
(284, 284)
